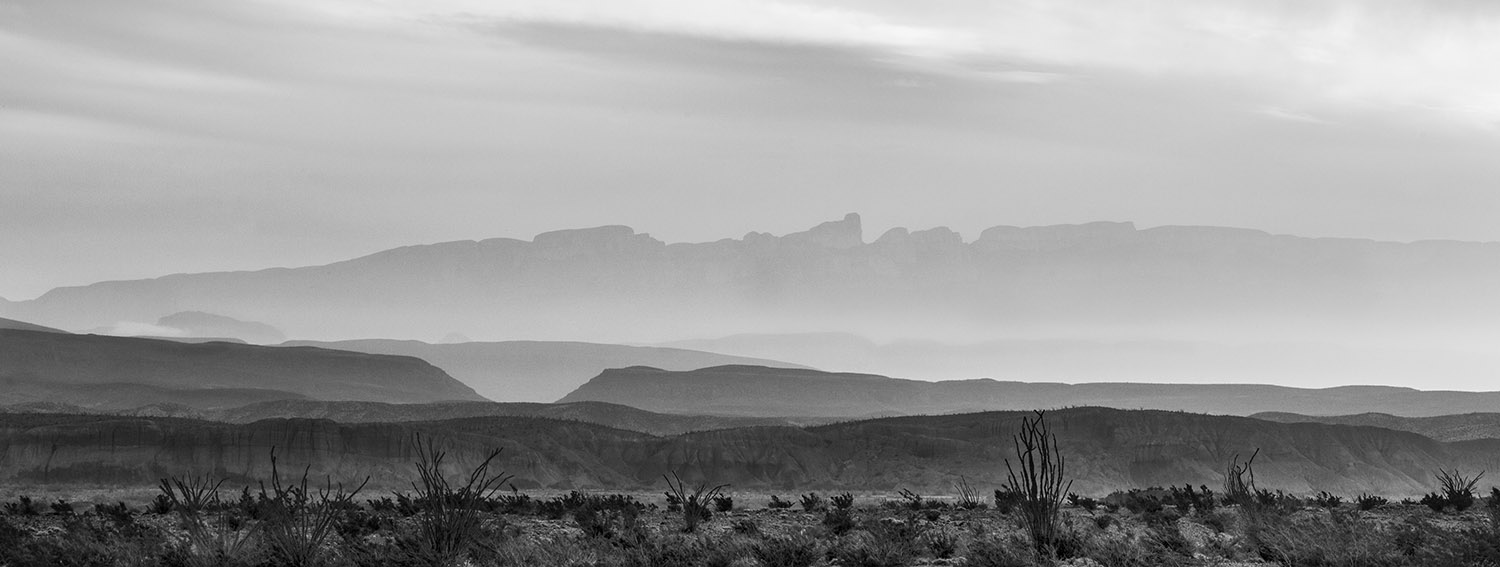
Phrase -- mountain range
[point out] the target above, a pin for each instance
(537, 371)
(119, 372)
(766, 392)
(1097, 281)
(1106, 450)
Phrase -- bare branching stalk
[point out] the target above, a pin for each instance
(448, 515)
(1238, 490)
(297, 520)
(1038, 477)
(694, 503)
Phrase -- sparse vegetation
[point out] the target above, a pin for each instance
(694, 502)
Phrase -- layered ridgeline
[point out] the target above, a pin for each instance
(537, 371)
(13, 325)
(1458, 427)
(612, 284)
(1105, 449)
(117, 372)
(599, 413)
(762, 391)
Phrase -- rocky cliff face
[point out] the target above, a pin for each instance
(1106, 450)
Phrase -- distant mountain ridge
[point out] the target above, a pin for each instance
(1106, 450)
(120, 372)
(10, 324)
(761, 391)
(612, 284)
(1456, 427)
(608, 415)
(537, 371)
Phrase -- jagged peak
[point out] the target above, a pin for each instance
(845, 233)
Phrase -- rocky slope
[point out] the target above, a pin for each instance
(1106, 450)
(115, 372)
(537, 371)
(761, 391)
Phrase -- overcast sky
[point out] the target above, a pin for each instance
(145, 137)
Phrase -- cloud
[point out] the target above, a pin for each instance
(1431, 57)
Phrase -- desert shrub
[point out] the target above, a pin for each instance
(1084, 502)
(448, 515)
(940, 543)
(693, 502)
(675, 550)
(1435, 501)
(383, 505)
(1139, 501)
(745, 526)
(1457, 489)
(1277, 500)
(1325, 499)
(297, 519)
(998, 552)
(1331, 539)
(777, 503)
(864, 549)
(1104, 521)
(216, 534)
(1006, 499)
(1188, 500)
(838, 521)
(911, 500)
(23, 506)
(513, 503)
(61, 507)
(796, 550)
(843, 501)
(617, 524)
(723, 503)
(811, 502)
(1366, 502)
(118, 513)
(968, 497)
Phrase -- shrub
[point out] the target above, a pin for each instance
(941, 543)
(215, 535)
(911, 500)
(1325, 499)
(797, 550)
(1458, 490)
(838, 521)
(843, 501)
(448, 521)
(777, 503)
(23, 506)
(694, 502)
(1039, 477)
(865, 549)
(1366, 502)
(61, 507)
(811, 502)
(1084, 502)
(1188, 500)
(1435, 501)
(968, 497)
(996, 552)
(1006, 499)
(723, 503)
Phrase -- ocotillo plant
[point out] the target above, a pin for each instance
(1038, 477)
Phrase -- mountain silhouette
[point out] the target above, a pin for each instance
(613, 284)
(537, 371)
(120, 372)
(766, 392)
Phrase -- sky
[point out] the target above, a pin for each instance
(145, 137)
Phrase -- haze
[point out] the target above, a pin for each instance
(146, 137)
